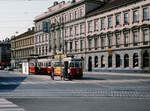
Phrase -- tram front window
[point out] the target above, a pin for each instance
(71, 64)
(77, 65)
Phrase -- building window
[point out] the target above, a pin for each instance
(145, 59)
(71, 31)
(65, 32)
(126, 60)
(118, 61)
(110, 61)
(89, 26)
(39, 38)
(102, 61)
(90, 44)
(82, 28)
(36, 50)
(135, 16)
(43, 37)
(70, 46)
(126, 39)
(39, 50)
(109, 40)
(81, 12)
(66, 46)
(46, 37)
(43, 50)
(81, 45)
(96, 43)
(117, 39)
(96, 61)
(71, 16)
(46, 50)
(126, 18)
(135, 38)
(145, 37)
(145, 14)
(75, 14)
(135, 60)
(103, 42)
(76, 29)
(110, 22)
(96, 25)
(76, 46)
(117, 20)
(65, 17)
(102, 23)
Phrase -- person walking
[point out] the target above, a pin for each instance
(52, 73)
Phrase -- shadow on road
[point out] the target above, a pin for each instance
(10, 83)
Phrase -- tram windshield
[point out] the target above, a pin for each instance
(75, 64)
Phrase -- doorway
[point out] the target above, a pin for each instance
(90, 64)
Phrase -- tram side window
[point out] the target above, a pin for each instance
(31, 64)
(49, 64)
(58, 64)
(46, 64)
(80, 64)
(39, 64)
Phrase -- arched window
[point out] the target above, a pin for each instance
(110, 61)
(90, 64)
(96, 61)
(118, 61)
(102, 61)
(135, 60)
(126, 60)
(145, 59)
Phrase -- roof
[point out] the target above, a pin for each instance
(111, 4)
(27, 33)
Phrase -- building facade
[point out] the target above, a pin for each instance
(5, 53)
(22, 47)
(118, 37)
(110, 35)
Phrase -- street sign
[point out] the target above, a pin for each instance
(110, 51)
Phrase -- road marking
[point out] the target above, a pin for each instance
(6, 105)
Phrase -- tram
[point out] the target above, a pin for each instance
(73, 65)
(42, 66)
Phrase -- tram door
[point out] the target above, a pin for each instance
(90, 64)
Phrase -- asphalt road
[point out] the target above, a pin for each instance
(94, 92)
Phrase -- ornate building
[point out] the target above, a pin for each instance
(22, 46)
(110, 35)
(118, 37)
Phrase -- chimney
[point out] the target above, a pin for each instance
(32, 28)
(55, 3)
(29, 29)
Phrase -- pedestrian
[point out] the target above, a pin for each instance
(52, 73)
(65, 72)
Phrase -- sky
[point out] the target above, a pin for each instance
(18, 15)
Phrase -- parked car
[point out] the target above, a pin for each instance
(8, 68)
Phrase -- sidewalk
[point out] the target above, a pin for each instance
(118, 74)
